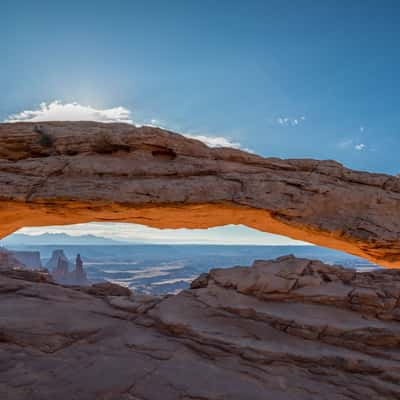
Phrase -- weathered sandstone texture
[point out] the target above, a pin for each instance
(284, 329)
(71, 172)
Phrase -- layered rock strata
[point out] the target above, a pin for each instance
(71, 172)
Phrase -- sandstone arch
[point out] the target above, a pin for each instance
(72, 172)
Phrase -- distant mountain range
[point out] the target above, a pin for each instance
(59, 239)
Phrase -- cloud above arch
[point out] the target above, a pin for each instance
(60, 111)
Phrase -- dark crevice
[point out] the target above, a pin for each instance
(164, 154)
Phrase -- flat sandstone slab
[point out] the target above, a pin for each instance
(239, 333)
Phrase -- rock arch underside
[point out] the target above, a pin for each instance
(54, 173)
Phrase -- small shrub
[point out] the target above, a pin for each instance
(45, 139)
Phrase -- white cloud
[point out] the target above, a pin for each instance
(346, 143)
(360, 146)
(351, 144)
(211, 141)
(286, 121)
(218, 141)
(58, 111)
(215, 141)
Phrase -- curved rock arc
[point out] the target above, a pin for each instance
(72, 172)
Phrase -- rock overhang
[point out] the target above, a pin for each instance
(72, 172)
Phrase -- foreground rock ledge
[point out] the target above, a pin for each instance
(73, 172)
(284, 329)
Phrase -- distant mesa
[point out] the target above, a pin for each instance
(57, 256)
(19, 240)
(59, 267)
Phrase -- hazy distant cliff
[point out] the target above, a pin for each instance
(30, 259)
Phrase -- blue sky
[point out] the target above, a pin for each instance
(282, 78)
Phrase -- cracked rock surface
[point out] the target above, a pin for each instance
(283, 329)
(55, 173)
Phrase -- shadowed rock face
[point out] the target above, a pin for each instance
(288, 329)
(8, 260)
(31, 259)
(72, 172)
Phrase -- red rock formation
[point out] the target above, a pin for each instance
(78, 275)
(71, 172)
(54, 262)
(108, 289)
(59, 266)
(61, 272)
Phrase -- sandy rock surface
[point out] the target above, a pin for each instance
(283, 329)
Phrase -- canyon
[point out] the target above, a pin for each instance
(58, 173)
